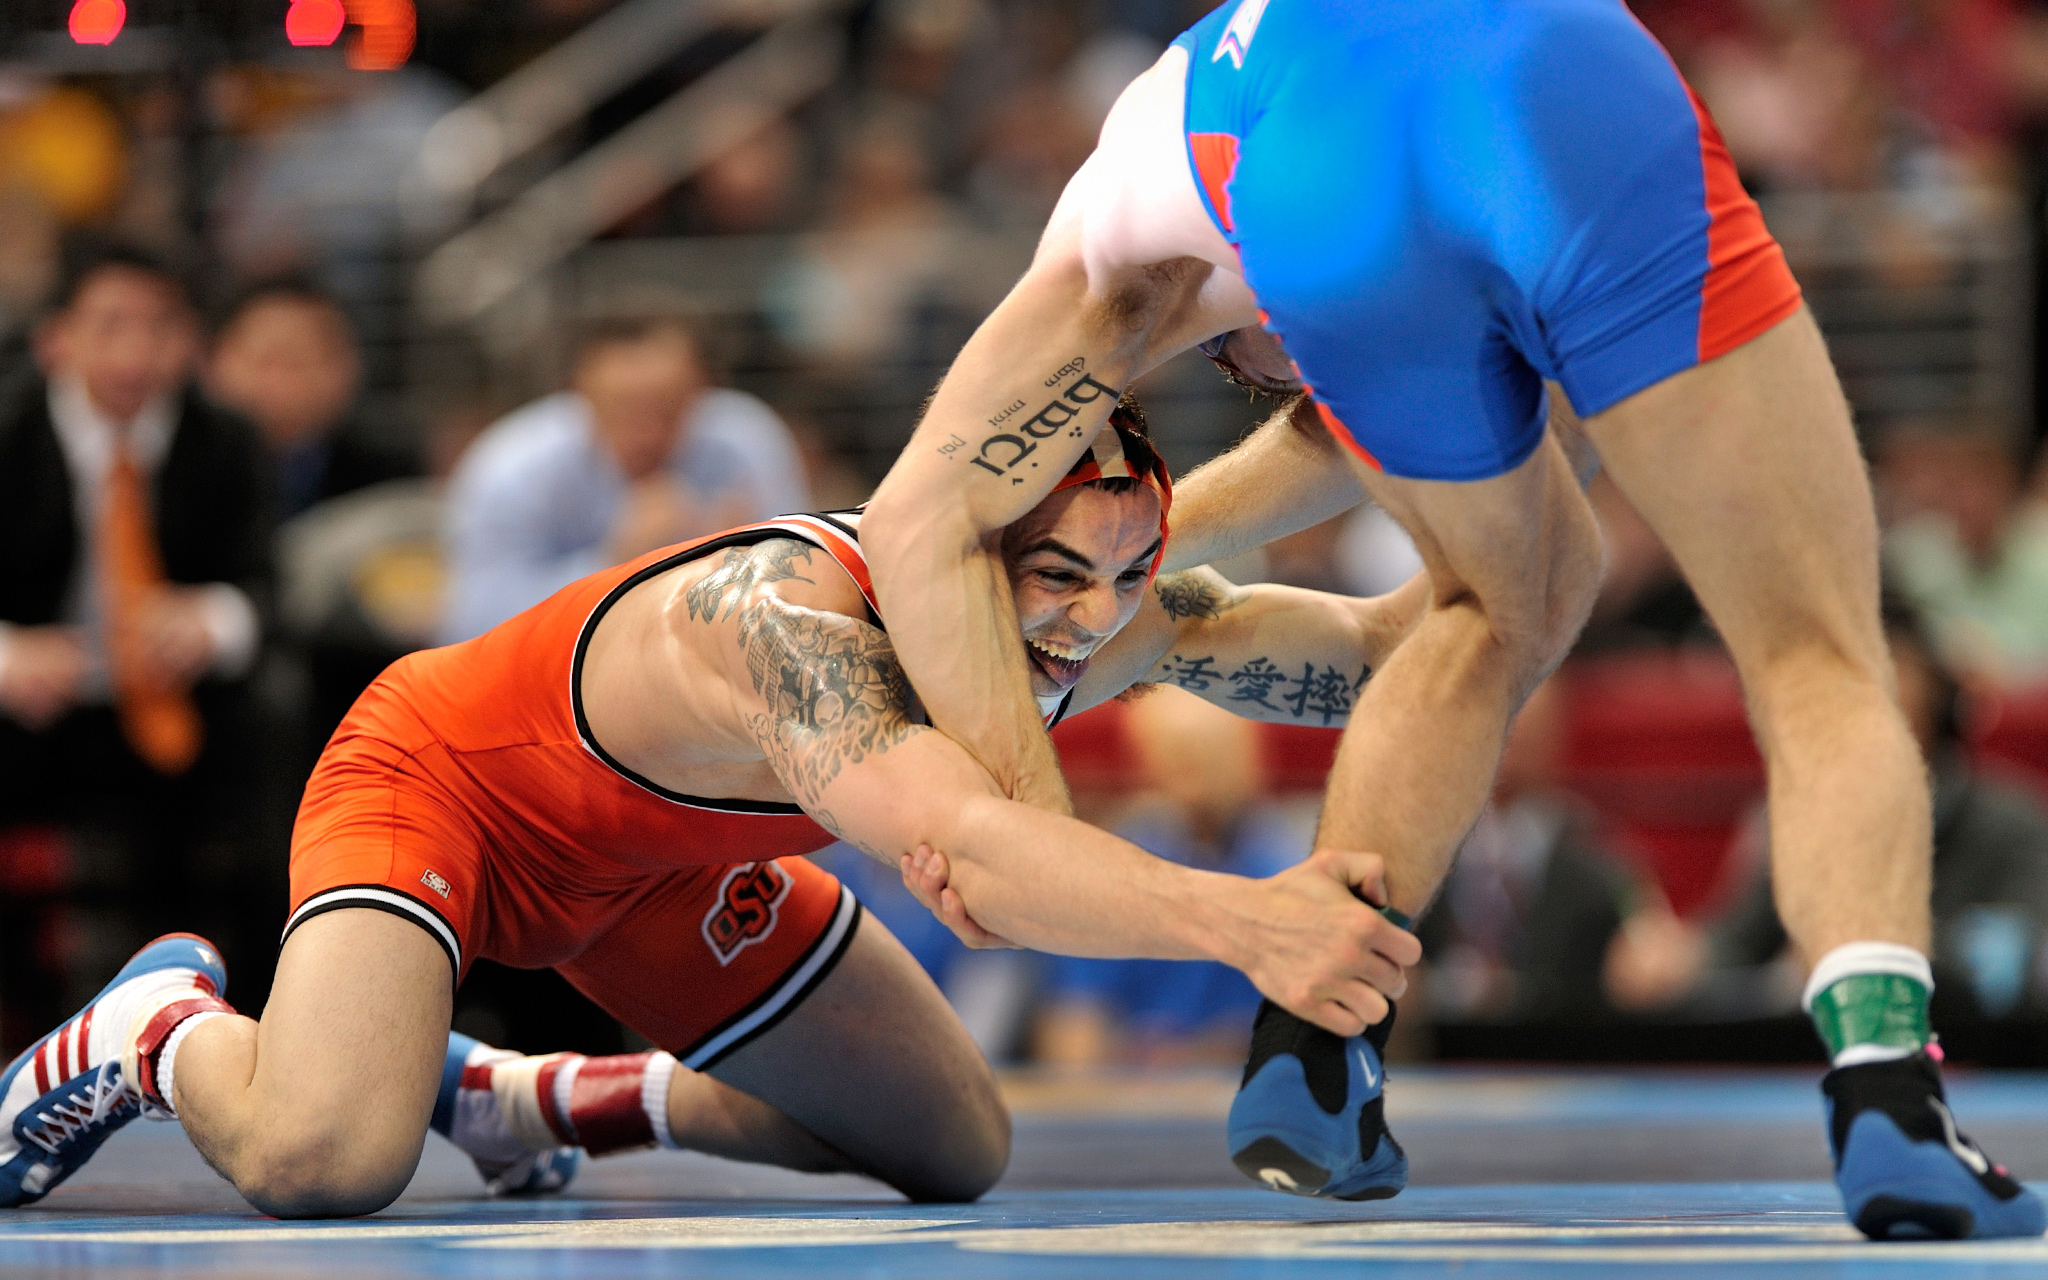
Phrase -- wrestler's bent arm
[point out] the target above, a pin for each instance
(1025, 398)
(826, 698)
(1265, 652)
(1286, 476)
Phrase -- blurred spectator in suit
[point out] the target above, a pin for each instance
(1199, 802)
(362, 581)
(640, 452)
(286, 358)
(1522, 926)
(137, 525)
(1990, 882)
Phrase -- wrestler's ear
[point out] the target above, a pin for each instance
(1213, 349)
(1218, 351)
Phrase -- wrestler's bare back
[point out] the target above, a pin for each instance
(657, 680)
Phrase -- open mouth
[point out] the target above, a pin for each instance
(1062, 664)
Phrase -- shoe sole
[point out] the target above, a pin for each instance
(1371, 1193)
(1883, 1214)
(1273, 1163)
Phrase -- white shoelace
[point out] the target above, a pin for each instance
(66, 1120)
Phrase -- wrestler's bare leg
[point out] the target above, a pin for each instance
(1513, 562)
(872, 1073)
(321, 1109)
(1747, 467)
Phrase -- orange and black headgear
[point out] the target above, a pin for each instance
(1123, 449)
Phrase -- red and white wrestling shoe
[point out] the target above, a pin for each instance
(73, 1088)
(527, 1122)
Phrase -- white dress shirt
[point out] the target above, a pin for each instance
(534, 499)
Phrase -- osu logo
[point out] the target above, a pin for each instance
(745, 911)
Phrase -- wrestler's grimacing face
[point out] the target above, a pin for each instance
(1078, 564)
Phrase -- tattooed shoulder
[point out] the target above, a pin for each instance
(742, 569)
(1189, 594)
(835, 692)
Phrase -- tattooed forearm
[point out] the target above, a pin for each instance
(835, 691)
(743, 569)
(1326, 696)
(1013, 441)
(1189, 594)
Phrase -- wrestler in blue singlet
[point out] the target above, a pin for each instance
(1439, 203)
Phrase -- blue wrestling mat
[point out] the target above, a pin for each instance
(1605, 1173)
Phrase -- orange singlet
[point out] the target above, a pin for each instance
(465, 793)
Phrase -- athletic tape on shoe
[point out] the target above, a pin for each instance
(608, 1106)
(526, 1100)
(153, 1023)
(1866, 957)
(1871, 1017)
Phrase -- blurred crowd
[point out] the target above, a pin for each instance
(232, 494)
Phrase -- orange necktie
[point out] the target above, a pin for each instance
(161, 723)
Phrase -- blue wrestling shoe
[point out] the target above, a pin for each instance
(1309, 1118)
(66, 1095)
(467, 1113)
(1904, 1169)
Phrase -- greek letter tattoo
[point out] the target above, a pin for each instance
(1003, 452)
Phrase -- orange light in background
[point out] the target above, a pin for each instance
(314, 22)
(97, 21)
(387, 31)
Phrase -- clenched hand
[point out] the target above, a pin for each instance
(1309, 938)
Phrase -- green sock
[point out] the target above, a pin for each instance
(1868, 1001)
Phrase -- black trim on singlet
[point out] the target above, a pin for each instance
(738, 538)
(1061, 714)
(779, 991)
(852, 533)
(343, 896)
